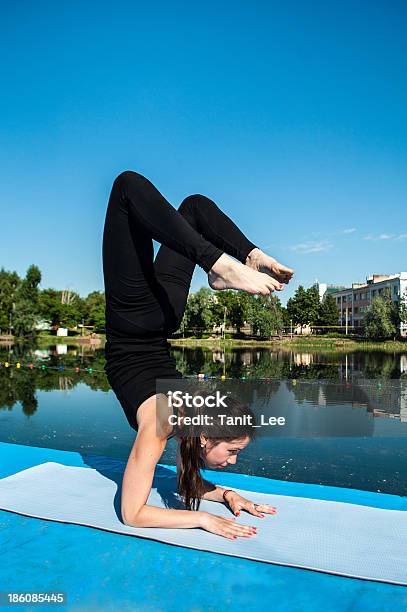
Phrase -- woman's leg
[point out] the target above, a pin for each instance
(214, 225)
(174, 271)
(148, 208)
(136, 303)
(137, 213)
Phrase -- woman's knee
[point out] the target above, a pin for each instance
(130, 177)
(190, 202)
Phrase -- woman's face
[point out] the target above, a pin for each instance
(225, 453)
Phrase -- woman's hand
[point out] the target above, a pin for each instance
(226, 527)
(237, 502)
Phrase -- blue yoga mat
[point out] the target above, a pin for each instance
(330, 536)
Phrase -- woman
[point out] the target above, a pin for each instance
(145, 302)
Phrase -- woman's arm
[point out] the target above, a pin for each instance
(138, 479)
(137, 482)
(214, 492)
(235, 501)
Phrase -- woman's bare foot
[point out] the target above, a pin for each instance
(261, 262)
(226, 273)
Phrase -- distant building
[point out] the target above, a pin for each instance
(324, 289)
(353, 302)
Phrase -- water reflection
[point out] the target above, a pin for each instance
(348, 411)
(54, 368)
(279, 363)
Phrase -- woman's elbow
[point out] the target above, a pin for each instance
(131, 515)
(131, 518)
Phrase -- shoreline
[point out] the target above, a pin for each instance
(311, 343)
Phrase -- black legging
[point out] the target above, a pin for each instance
(146, 298)
(144, 294)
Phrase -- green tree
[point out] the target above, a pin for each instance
(23, 318)
(265, 315)
(328, 311)
(50, 306)
(9, 282)
(286, 317)
(304, 307)
(64, 308)
(26, 306)
(403, 308)
(28, 288)
(381, 318)
(236, 303)
(198, 309)
(93, 307)
(72, 308)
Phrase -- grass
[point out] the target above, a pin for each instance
(304, 343)
(45, 338)
(300, 343)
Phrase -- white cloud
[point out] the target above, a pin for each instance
(324, 244)
(311, 246)
(385, 236)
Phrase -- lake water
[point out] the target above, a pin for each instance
(347, 413)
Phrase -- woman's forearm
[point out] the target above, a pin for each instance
(151, 516)
(214, 492)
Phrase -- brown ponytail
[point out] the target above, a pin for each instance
(190, 482)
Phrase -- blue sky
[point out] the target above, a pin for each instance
(291, 116)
